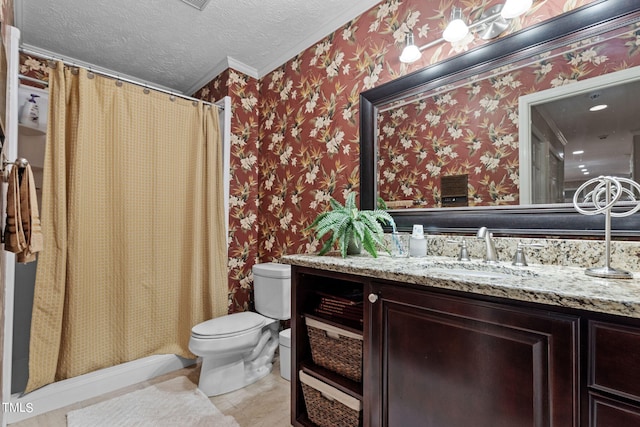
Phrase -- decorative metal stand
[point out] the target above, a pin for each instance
(606, 192)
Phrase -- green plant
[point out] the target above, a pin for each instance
(348, 224)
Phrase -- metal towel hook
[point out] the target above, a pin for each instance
(20, 163)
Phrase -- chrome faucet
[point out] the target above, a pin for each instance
(490, 256)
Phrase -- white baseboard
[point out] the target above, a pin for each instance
(73, 390)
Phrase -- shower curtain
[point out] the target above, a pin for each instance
(133, 221)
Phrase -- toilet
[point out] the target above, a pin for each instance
(238, 349)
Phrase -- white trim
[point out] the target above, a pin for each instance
(243, 68)
(225, 120)
(10, 42)
(223, 65)
(524, 111)
(83, 387)
(357, 8)
(17, 13)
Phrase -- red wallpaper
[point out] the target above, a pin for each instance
(295, 132)
(309, 110)
(244, 195)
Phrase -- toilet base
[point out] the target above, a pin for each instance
(219, 375)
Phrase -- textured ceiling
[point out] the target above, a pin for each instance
(170, 44)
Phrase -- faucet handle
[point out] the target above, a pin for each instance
(519, 259)
(464, 252)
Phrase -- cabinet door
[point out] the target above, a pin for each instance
(442, 361)
(610, 413)
(613, 359)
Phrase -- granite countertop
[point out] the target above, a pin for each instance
(553, 285)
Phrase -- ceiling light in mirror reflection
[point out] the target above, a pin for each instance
(598, 107)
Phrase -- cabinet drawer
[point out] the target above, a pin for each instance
(613, 364)
(604, 412)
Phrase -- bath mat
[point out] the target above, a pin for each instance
(176, 402)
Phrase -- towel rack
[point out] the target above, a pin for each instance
(20, 162)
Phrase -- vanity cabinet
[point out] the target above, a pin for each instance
(441, 360)
(435, 357)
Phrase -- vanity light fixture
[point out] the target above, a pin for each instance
(490, 25)
(575, 153)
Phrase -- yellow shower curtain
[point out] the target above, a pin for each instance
(133, 221)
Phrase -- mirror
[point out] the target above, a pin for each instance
(572, 133)
(496, 200)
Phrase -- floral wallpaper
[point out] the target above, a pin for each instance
(474, 128)
(244, 196)
(295, 131)
(308, 141)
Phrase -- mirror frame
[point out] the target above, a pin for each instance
(523, 220)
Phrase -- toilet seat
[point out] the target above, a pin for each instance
(229, 325)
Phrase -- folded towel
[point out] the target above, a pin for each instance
(14, 239)
(23, 233)
(30, 217)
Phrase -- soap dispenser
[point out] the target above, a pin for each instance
(418, 244)
(30, 114)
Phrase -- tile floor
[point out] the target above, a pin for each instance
(265, 403)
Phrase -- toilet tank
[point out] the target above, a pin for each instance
(272, 290)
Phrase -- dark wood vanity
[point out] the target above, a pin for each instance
(446, 358)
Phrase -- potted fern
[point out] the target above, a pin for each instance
(350, 228)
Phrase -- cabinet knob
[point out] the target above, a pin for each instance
(373, 298)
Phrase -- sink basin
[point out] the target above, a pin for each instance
(470, 273)
(479, 270)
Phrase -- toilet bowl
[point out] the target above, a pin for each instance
(238, 349)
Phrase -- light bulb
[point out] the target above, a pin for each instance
(410, 53)
(457, 28)
(514, 8)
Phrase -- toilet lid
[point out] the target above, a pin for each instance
(232, 324)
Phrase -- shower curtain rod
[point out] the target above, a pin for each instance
(31, 79)
(114, 76)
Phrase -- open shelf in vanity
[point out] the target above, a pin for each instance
(328, 301)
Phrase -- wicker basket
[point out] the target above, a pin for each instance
(335, 349)
(328, 406)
